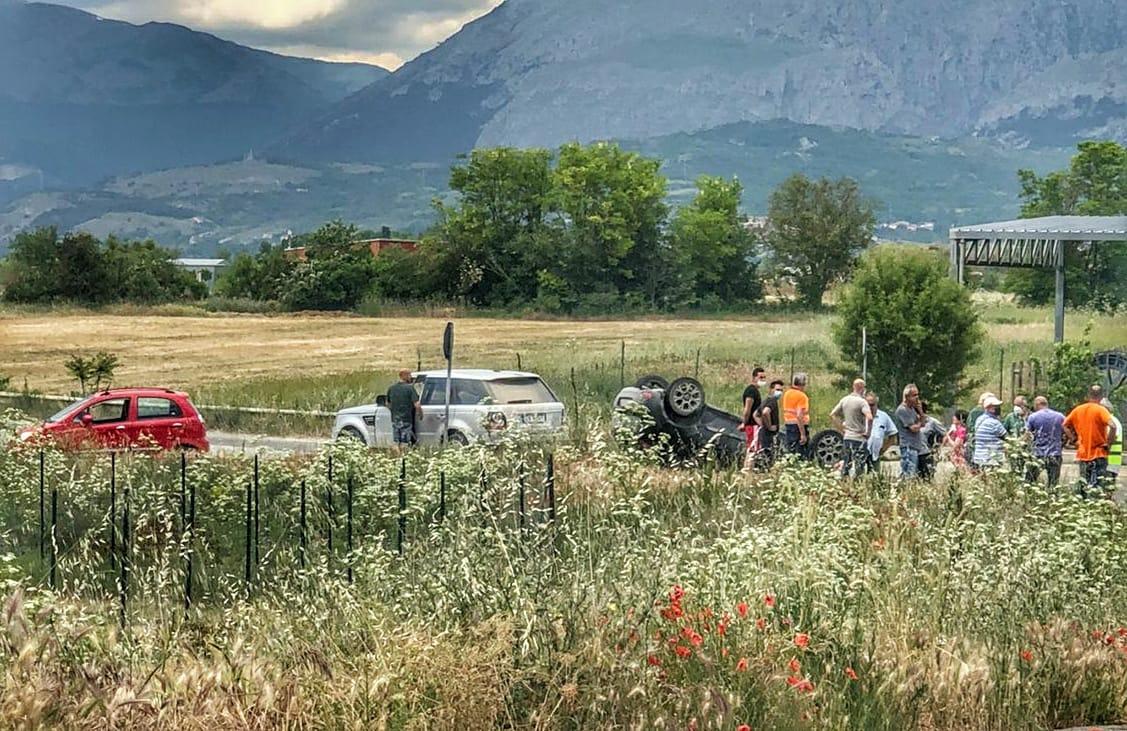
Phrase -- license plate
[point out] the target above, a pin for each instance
(534, 418)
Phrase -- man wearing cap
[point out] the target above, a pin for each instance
(972, 422)
(989, 435)
(1046, 426)
(1090, 426)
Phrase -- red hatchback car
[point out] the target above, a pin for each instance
(127, 418)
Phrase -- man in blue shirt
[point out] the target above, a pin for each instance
(883, 428)
(1047, 429)
(989, 437)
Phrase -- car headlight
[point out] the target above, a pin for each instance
(26, 434)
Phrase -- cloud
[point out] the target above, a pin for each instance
(387, 32)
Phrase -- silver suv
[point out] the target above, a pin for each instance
(484, 405)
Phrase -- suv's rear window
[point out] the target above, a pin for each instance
(520, 391)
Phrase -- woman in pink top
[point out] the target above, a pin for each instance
(956, 440)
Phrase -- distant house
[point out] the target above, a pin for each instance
(376, 246)
(205, 270)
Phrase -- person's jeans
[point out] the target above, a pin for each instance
(792, 441)
(1051, 466)
(856, 454)
(926, 466)
(1094, 471)
(909, 462)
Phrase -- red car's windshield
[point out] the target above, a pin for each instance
(58, 416)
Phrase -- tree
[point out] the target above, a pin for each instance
(141, 271)
(922, 327)
(336, 275)
(95, 370)
(817, 229)
(493, 238)
(613, 205)
(260, 276)
(711, 248)
(42, 268)
(1070, 372)
(1095, 184)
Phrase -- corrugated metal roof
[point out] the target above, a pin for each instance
(199, 262)
(1059, 228)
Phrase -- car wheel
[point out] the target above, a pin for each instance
(652, 382)
(457, 439)
(828, 448)
(685, 398)
(350, 435)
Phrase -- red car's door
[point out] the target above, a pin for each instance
(159, 423)
(108, 422)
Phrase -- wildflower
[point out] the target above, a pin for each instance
(741, 609)
(801, 685)
(769, 600)
(723, 652)
(793, 681)
(802, 640)
(743, 727)
(1027, 655)
(851, 673)
(672, 613)
(676, 595)
(721, 629)
(761, 624)
(794, 665)
(742, 665)
(682, 651)
(653, 661)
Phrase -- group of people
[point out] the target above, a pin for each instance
(776, 420)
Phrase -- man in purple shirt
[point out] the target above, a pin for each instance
(1047, 429)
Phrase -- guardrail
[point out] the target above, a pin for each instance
(202, 407)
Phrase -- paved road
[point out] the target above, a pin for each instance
(229, 443)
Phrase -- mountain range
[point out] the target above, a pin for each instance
(932, 104)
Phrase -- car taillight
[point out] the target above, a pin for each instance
(647, 395)
(496, 421)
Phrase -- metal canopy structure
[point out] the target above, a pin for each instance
(1037, 243)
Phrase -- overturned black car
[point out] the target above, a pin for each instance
(655, 411)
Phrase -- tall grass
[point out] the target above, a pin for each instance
(694, 598)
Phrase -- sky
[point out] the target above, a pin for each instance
(384, 32)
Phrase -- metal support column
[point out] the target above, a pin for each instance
(1058, 331)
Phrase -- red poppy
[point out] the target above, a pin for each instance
(743, 727)
(769, 600)
(761, 623)
(723, 652)
(793, 681)
(1122, 631)
(742, 665)
(802, 640)
(741, 609)
(851, 673)
(794, 665)
(672, 613)
(721, 629)
(1027, 655)
(682, 651)
(653, 660)
(677, 594)
(804, 686)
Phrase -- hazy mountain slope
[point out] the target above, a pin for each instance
(82, 97)
(538, 72)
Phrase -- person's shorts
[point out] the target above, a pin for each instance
(403, 432)
(751, 433)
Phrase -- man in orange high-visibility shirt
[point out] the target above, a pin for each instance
(1090, 426)
(796, 416)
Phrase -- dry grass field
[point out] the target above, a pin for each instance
(325, 361)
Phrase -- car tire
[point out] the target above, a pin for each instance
(684, 400)
(652, 383)
(351, 434)
(827, 448)
(457, 439)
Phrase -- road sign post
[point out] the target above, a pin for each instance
(448, 354)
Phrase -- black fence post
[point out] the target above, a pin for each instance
(42, 509)
(113, 510)
(622, 365)
(696, 371)
(190, 548)
(304, 538)
(520, 366)
(550, 488)
(520, 495)
(257, 555)
(54, 534)
(442, 496)
(349, 528)
(183, 490)
(401, 524)
(249, 527)
(483, 487)
(126, 559)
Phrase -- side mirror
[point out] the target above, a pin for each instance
(87, 419)
(381, 401)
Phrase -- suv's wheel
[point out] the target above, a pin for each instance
(457, 439)
(828, 448)
(685, 398)
(350, 435)
(652, 382)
